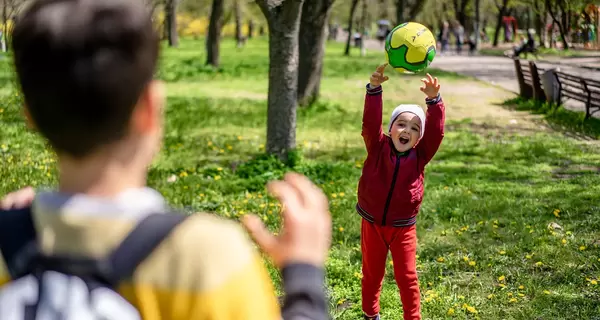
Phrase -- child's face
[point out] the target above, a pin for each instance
(406, 131)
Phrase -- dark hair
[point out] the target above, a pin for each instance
(82, 66)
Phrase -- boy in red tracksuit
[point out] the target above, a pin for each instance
(390, 190)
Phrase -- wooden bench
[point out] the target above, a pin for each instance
(530, 85)
(579, 89)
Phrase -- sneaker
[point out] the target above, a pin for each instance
(371, 318)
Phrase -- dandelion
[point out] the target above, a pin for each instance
(358, 275)
(334, 195)
(529, 256)
(239, 137)
(539, 263)
(512, 300)
(594, 282)
(219, 169)
(471, 309)
(521, 287)
(466, 259)
(451, 311)
(341, 229)
(564, 241)
(440, 259)
(221, 151)
(341, 301)
(501, 278)
(520, 294)
(472, 263)
(391, 263)
(546, 292)
(556, 213)
(229, 148)
(341, 194)
(582, 248)
(217, 178)
(490, 296)
(502, 252)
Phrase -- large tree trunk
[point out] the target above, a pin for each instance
(406, 11)
(284, 23)
(350, 26)
(213, 41)
(460, 13)
(383, 9)
(239, 37)
(312, 38)
(172, 23)
(501, 12)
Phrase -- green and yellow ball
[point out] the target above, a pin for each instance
(410, 47)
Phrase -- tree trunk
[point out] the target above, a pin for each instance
(363, 28)
(383, 9)
(562, 29)
(172, 23)
(284, 23)
(4, 27)
(239, 37)
(312, 38)
(501, 10)
(538, 22)
(350, 26)
(477, 24)
(213, 41)
(400, 6)
(250, 29)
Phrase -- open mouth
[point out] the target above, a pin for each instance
(404, 140)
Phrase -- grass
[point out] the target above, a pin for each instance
(509, 226)
(559, 118)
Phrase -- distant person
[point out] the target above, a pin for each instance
(390, 190)
(103, 244)
(444, 36)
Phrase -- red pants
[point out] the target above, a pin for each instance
(376, 241)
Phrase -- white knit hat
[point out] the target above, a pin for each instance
(412, 108)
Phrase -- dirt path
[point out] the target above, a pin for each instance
(500, 71)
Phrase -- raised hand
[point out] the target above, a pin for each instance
(431, 87)
(306, 234)
(377, 78)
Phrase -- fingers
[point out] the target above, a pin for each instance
(381, 68)
(263, 238)
(429, 78)
(310, 195)
(18, 199)
(286, 194)
(386, 78)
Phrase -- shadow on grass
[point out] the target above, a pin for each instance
(570, 123)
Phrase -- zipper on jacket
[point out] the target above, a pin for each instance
(389, 197)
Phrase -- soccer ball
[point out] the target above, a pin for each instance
(410, 47)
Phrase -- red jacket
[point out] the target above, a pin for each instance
(390, 189)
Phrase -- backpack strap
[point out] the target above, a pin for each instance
(118, 266)
(140, 243)
(16, 232)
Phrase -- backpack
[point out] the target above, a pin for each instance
(67, 287)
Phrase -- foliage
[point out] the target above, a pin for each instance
(508, 228)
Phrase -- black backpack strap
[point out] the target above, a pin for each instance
(139, 244)
(16, 232)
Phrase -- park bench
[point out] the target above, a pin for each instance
(577, 88)
(528, 75)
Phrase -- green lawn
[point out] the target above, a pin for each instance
(509, 227)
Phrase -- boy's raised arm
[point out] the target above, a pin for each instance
(434, 121)
(372, 131)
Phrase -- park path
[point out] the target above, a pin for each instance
(500, 71)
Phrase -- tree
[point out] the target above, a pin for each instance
(560, 11)
(312, 38)
(502, 8)
(237, 9)
(171, 22)
(213, 41)
(350, 26)
(9, 11)
(477, 23)
(407, 10)
(283, 17)
(460, 11)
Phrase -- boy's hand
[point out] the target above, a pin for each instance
(17, 199)
(377, 78)
(306, 234)
(431, 87)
